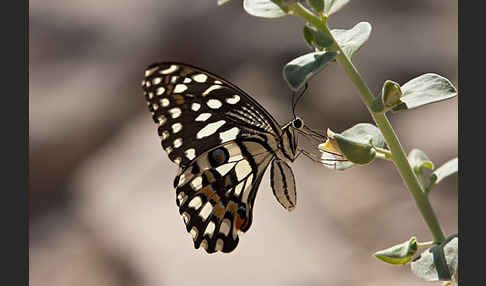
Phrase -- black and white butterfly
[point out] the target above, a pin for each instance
(223, 141)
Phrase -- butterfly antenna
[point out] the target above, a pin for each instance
(294, 104)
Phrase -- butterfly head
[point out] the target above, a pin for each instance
(298, 123)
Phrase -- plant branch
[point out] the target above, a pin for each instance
(397, 154)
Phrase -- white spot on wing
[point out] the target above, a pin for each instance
(225, 227)
(210, 129)
(203, 116)
(210, 229)
(200, 77)
(225, 168)
(219, 244)
(239, 188)
(162, 120)
(181, 197)
(165, 134)
(190, 153)
(242, 169)
(169, 70)
(233, 100)
(196, 183)
(195, 106)
(211, 88)
(195, 203)
(151, 71)
(180, 88)
(177, 142)
(160, 90)
(175, 112)
(164, 102)
(193, 232)
(204, 244)
(157, 80)
(206, 211)
(176, 127)
(187, 80)
(229, 135)
(214, 103)
(186, 217)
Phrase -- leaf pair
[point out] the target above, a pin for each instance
(419, 161)
(298, 71)
(436, 263)
(277, 8)
(425, 89)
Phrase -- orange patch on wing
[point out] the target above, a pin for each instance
(227, 181)
(185, 72)
(219, 211)
(169, 88)
(209, 175)
(208, 191)
(179, 99)
(239, 222)
(232, 207)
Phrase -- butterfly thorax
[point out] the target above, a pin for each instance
(288, 143)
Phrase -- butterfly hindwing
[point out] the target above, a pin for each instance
(283, 184)
(196, 110)
(215, 194)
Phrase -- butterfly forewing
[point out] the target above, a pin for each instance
(223, 141)
(196, 110)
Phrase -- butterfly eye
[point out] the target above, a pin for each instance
(298, 123)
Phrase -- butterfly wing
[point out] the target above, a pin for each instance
(223, 141)
(197, 110)
(215, 194)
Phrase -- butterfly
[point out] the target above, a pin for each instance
(223, 141)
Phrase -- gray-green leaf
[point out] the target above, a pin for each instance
(351, 40)
(356, 145)
(263, 8)
(400, 253)
(444, 171)
(425, 89)
(301, 69)
(332, 6)
(419, 160)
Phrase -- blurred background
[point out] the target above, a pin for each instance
(102, 206)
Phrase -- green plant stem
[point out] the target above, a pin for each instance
(428, 244)
(398, 155)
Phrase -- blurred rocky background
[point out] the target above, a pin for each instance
(102, 207)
